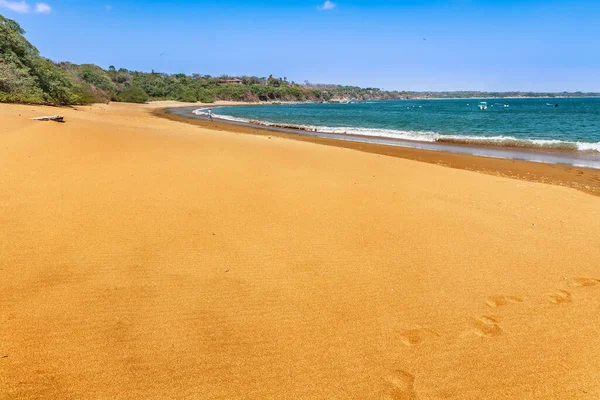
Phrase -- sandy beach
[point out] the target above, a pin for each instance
(142, 257)
(578, 177)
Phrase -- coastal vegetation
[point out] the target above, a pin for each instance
(27, 77)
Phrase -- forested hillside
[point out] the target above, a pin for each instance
(27, 77)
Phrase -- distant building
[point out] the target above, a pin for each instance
(232, 81)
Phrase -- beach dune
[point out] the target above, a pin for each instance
(147, 258)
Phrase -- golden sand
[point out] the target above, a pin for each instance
(580, 178)
(146, 258)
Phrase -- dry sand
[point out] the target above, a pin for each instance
(145, 258)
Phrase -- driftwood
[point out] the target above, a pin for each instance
(57, 118)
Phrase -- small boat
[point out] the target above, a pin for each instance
(482, 105)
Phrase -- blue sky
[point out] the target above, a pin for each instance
(471, 44)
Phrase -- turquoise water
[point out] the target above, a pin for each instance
(529, 123)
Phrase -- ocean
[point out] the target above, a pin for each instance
(573, 125)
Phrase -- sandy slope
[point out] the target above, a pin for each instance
(145, 258)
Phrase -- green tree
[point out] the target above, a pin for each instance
(28, 77)
(96, 76)
(133, 94)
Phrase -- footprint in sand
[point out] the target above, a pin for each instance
(487, 327)
(584, 282)
(401, 386)
(560, 296)
(498, 301)
(413, 337)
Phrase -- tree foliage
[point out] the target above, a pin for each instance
(27, 77)
(133, 94)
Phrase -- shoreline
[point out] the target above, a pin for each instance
(560, 152)
(581, 178)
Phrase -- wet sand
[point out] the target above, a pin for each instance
(490, 149)
(146, 258)
(578, 177)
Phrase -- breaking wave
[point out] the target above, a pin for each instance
(425, 136)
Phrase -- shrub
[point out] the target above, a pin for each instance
(205, 96)
(94, 75)
(133, 94)
(186, 94)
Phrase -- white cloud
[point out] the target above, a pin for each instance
(23, 7)
(328, 5)
(16, 6)
(42, 8)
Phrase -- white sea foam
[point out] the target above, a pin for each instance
(426, 136)
(234, 119)
(583, 146)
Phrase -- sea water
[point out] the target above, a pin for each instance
(556, 130)
(562, 124)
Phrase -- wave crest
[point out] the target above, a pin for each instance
(425, 136)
